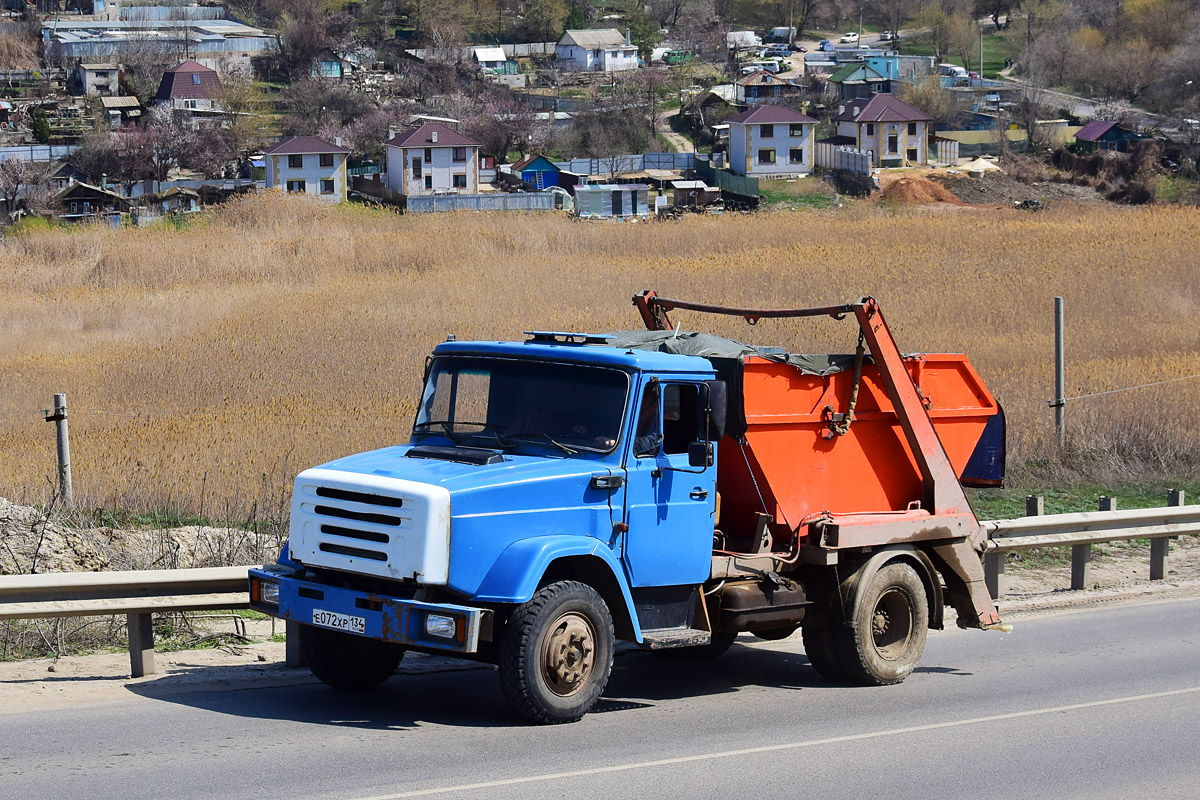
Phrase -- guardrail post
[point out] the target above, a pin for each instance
(141, 644)
(993, 562)
(1081, 554)
(292, 655)
(1160, 547)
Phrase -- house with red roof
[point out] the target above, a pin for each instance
(432, 158)
(771, 140)
(190, 87)
(896, 133)
(308, 165)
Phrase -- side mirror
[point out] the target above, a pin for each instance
(714, 399)
(700, 454)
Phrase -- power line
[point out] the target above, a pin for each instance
(1126, 389)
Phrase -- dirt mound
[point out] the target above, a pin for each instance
(917, 190)
(30, 542)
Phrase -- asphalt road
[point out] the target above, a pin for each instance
(1098, 703)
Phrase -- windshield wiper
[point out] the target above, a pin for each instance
(542, 434)
(449, 428)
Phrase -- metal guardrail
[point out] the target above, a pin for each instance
(1081, 530)
(136, 593)
(140, 593)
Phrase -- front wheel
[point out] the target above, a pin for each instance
(557, 653)
(346, 661)
(887, 635)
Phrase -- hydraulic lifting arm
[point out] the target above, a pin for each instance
(945, 518)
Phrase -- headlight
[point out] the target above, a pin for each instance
(441, 626)
(268, 592)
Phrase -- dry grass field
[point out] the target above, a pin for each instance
(203, 367)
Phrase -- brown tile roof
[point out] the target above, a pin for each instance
(881, 108)
(432, 134)
(770, 115)
(189, 81)
(762, 78)
(299, 145)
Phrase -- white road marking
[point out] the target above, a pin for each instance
(582, 773)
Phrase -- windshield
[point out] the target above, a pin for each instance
(505, 403)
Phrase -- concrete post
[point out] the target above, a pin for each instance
(1161, 547)
(1081, 554)
(1060, 425)
(59, 418)
(141, 644)
(993, 562)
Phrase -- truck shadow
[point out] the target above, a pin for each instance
(470, 696)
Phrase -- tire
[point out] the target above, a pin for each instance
(557, 653)
(887, 636)
(822, 651)
(346, 661)
(721, 641)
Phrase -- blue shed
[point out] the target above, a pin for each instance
(537, 170)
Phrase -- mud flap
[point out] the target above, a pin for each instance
(962, 570)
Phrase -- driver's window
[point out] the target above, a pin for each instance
(646, 436)
(679, 416)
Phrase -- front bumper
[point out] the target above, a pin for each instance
(392, 619)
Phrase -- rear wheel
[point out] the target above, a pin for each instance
(346, 661)
(557, 653)
(890, 623)
(821, 649)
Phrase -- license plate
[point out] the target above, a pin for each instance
(339, 622)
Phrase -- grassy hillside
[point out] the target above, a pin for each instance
(203, 367)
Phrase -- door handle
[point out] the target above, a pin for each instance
(698, 494)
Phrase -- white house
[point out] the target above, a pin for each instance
(890, 128)
(771, 140)
(190, 86)
(602, 50)
(432, 159)
(98, 80)
(308, 165)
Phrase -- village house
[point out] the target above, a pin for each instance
(762, 87)
(78, 202)
(308, 165)
(861, 79)
(771, 140)
(432, 159)
(493, 60)
(602, 50)
(193, 89)
(95, 80)
(1102, 135)
(896, 133)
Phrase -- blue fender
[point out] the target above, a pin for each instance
(516, 574)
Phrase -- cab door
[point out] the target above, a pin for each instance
(669, 505)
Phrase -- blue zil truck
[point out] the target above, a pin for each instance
(669, 489)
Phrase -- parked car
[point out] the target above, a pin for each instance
(849, 38)
(778, 50)
(798, 48)
(888, 36)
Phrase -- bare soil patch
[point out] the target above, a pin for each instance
(912, 189)
(1002, 190)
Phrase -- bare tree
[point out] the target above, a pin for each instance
(930, 96)
(15, 175)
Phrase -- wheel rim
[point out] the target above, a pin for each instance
(569, 654)
(892, 624)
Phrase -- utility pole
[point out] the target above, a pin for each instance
(1060, 401)
(59, 417)
(791, 21)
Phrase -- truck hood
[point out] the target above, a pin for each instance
(467, 483)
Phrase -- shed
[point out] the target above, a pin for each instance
(1103, 135)
(537, 170)
(612, 201)
(695, 194)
